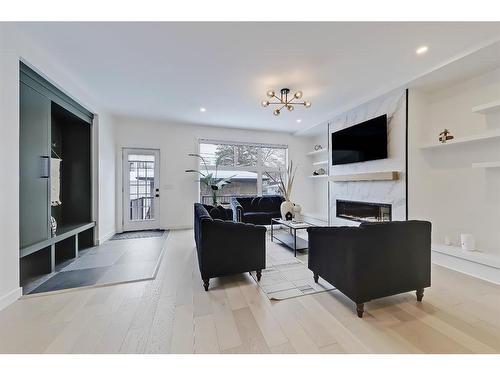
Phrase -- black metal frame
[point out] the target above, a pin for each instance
(294, 235)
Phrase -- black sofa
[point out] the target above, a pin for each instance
(256, 210)
(373, 260)
(226, 248)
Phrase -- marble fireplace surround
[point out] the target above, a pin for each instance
(392, 192)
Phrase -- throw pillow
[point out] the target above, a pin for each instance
(266, 204)
(255, 203)
(215, 213)
(223, 214)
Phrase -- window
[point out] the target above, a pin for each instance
(246, 163)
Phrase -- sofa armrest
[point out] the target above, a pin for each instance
(230, 247)
(237, 210)
(332, 254)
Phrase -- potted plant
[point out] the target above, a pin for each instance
(210, 179)
(285, 180)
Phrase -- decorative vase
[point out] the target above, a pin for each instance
(297, 216)
(286, 209)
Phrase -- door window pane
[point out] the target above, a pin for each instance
(141, 183)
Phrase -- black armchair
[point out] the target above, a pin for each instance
(226, 248)
(373, 260)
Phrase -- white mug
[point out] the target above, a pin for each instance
(467, 241)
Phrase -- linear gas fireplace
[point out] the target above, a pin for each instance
(364, 211)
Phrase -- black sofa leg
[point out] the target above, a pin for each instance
(316, 278)
(420, 294)
(259, 274)
(360, 308)
(206, 283)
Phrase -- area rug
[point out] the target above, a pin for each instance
(138, 234)
(287, 276)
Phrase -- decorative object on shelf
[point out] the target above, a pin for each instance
(285, 188)
(53, 226)
(288, 216)
(445, 136)
(55, 181)
(467, 242)
(210, 179)
(297, 216)
(318, 147)
(319, 172)
(284, 101)
(447, 240)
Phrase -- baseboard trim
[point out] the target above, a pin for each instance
(106, 237)
(477, 270)
(10, 298)
(180, 227)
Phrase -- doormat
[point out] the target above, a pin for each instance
(137, 234)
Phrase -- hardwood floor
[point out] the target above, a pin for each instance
(173, 314)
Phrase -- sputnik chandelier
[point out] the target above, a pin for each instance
(284, 102)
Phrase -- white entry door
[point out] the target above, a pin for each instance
(141, 189)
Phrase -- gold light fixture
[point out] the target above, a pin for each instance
(284, 101)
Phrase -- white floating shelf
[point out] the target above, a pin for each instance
(321, 162)
(487, 108)
(471, 256)
(488, 164)
(319, 176)
(317, 152)
(367, 176)
(471, 138)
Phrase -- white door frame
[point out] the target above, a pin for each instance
(143, 224)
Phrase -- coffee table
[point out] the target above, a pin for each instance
(290, 238)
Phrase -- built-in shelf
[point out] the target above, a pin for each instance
(487, 108)
(316, 152)
(488, 164)
(471, 138)
(319, 176)
(471, 256)
(322, 162)
(366, 176)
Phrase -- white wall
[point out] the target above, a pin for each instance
(13, 47)
(444, 188)
(175, 141)
(318, 211)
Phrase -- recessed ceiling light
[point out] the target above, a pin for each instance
(422, 50)
(203, 109)
(299, 120)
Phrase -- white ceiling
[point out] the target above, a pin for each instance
(167, 71)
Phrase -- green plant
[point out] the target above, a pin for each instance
(285, 180)
(210, 179)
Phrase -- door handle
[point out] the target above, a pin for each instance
(157, 195)
(45, 167)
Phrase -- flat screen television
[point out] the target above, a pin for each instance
(361, 142)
